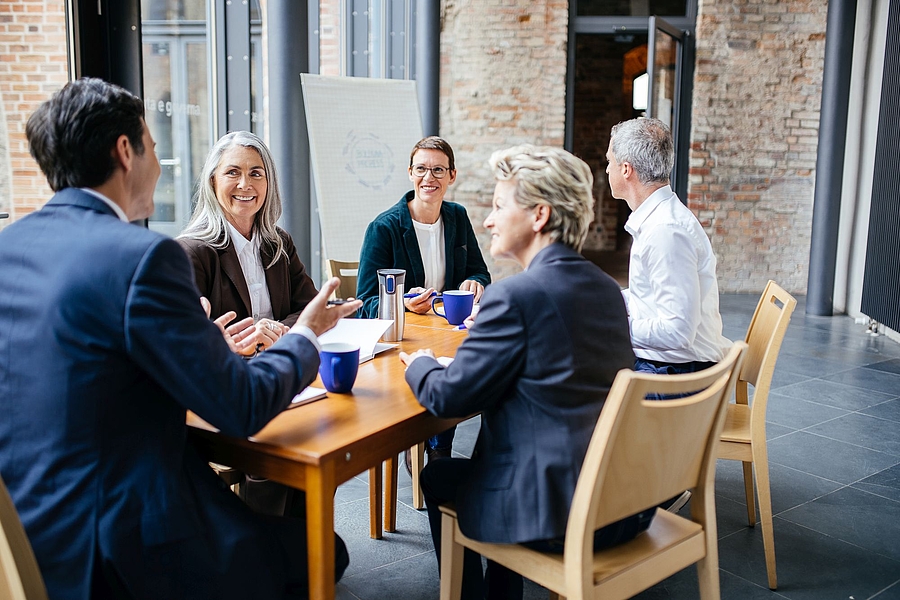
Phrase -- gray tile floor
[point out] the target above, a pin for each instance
(834, 448)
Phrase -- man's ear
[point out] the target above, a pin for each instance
(541, 217)
(123, 153)
(627, 170)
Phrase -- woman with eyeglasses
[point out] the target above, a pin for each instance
(431, 239)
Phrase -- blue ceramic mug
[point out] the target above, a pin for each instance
(338, 364)
(457, 305)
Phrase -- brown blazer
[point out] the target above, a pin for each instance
(219, 277)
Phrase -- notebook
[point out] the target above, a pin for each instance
(310, 394)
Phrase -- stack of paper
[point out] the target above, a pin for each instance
(364, 333)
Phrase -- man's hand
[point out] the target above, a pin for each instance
(240, 337)
(243, 336)
(408, 358)
(421, 304)
(319, 317)
(470, 285)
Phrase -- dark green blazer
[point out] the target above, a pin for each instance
(391, 243)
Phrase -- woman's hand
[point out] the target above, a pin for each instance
(408, 358)
(421, 304)
(470, 285)
(268, 332)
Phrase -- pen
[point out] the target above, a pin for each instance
(338, 301)
(414, 294)
(460, 327)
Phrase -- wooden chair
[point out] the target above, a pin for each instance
(642, 453)
(744, 434)
(348, 271)
(20, 578)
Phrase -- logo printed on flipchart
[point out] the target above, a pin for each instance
(369, 159)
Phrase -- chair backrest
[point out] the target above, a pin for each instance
(764, 337)
(20, 578)
(347, 271)
(644, 452)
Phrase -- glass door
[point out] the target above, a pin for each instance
(665, 52)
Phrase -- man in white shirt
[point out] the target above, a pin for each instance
(672, 295)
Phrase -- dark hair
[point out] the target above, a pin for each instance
(433, 142)
(72, 135)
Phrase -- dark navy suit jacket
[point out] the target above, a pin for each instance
(537, 365)
(391, 243)
(103, 349)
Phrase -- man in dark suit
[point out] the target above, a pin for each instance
(103, 348)
(538, 364)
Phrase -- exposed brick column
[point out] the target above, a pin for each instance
(757, 91)
(503, 82)
(33, 65)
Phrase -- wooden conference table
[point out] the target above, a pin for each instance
(318, 446)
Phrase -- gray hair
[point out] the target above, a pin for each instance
(645, 144)
(551, 177)
(208, 223)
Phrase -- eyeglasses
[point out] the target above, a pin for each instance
(437, 172)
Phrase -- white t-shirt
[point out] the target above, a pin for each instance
(431, 247)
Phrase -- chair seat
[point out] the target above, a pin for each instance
(737, 424)
(630, 565)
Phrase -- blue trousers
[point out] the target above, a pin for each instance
(642, 365)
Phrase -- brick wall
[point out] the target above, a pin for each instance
(503, 81)
(503, 75)
(757, 92)
(33, 65)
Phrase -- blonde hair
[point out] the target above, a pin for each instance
(552, 177)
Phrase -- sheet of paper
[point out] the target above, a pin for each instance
(364, 333)
(310, 394)
(444, 361)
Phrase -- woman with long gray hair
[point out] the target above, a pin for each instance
(243, 262)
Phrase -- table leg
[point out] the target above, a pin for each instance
(390, 494)
(320, 488)
(375, 502)
(418, 461)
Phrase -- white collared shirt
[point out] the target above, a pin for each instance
(116, 208)
(431, 247)
(672, 295)
(254, 274)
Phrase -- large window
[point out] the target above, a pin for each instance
(180, 107)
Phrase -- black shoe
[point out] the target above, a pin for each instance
(437, 453)
(407, 460)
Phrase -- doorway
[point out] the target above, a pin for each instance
(616, 73)
(606, 71)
